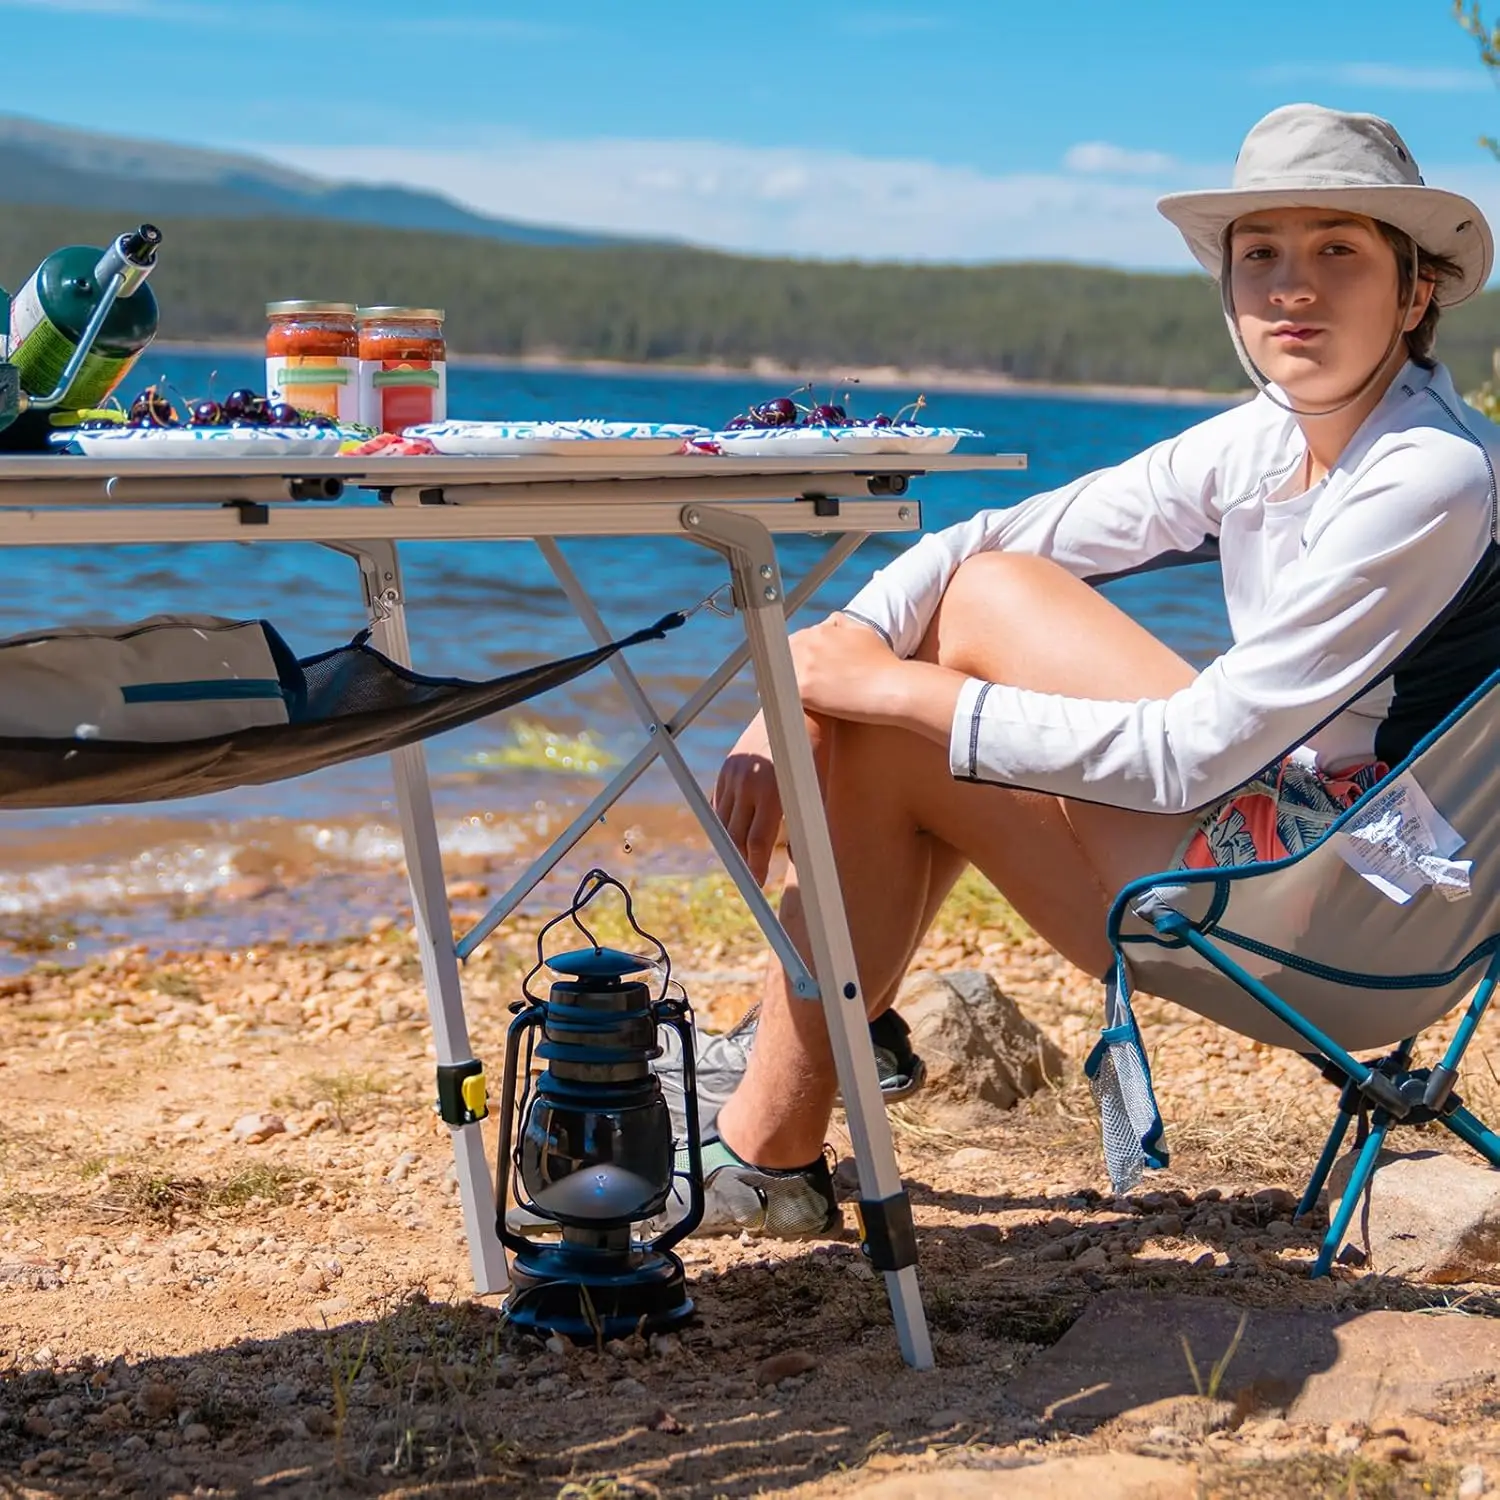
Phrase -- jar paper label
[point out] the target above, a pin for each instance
(326, 383)
(398, 393)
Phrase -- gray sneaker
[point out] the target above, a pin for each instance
(763, 1202)
(721, 1060)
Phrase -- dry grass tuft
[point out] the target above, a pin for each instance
(1272, 1144)
(353, 1093)
(608, 1487)
(1323, 1477)
(160, 1197)
(176, 985)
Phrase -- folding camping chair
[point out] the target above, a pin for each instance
(1310, 953)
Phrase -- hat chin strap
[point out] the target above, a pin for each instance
(1226, 300)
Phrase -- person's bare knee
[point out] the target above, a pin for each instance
(1028, 622)
(986, 589)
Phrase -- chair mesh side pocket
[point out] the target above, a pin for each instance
(1120, 1079)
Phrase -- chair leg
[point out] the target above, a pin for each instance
(1475, 1132)
(1325, 1163)
(1469, 1022)
(1354, 1190)
(1351, 1103)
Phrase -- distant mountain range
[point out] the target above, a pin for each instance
(53, 166)
(241, 232)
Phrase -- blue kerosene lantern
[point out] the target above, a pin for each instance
(595, 1154)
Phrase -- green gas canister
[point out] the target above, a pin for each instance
(51, 315)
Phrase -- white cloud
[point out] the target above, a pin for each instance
(787, 201)
(1417, 80)
(471, 28)
(821, 204)
(1375, 75)
(890, 23)
(1101, 158)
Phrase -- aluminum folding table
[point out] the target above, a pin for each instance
(364, 507)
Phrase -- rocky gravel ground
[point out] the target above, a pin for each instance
(231, 1259)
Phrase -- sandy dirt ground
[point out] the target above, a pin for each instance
(231, 1259)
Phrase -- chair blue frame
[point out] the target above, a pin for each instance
(1387, 1089)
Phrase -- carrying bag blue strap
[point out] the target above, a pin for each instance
(1120, 1078)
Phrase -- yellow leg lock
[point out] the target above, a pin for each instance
(462, 1096)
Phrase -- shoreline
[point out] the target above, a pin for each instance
(72, 893)
(877, 377)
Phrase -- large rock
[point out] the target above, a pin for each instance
(1427, 1215)
(1128, 1351)
(982, 1054)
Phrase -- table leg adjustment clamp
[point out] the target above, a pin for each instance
(886, 1232)
(462, 1096)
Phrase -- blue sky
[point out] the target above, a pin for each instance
(963, 130)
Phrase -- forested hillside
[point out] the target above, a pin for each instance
(644, 303)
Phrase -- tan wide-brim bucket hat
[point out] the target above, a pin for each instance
(1305, 156)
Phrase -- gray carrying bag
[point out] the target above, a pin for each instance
(169, 677)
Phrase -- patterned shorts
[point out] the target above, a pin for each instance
(1287, 807)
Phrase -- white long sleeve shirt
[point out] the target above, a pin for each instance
(1362, 610)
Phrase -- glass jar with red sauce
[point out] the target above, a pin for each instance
(312, 357)
(403, 367)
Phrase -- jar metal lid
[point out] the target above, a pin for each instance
(399, 314)
(310, 309)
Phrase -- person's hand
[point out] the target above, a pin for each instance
(845, 670)
(842, 669)
(746, 796)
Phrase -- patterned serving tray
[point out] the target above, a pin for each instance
(496, 439)
(204, 442)
(803, 442)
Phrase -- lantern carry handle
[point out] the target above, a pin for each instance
(590, 886)
(677, 1013)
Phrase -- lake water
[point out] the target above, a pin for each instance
(484, 609)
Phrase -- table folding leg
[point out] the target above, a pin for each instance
(380, 573)
(885, 1209)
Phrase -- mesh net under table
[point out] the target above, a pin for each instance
(354, 702)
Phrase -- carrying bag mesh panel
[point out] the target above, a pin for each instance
(357, 702)
(1120, 1080)
(1121, 1087)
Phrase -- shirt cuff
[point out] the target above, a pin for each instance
(874, 605)
(874, 625)
(963, 739)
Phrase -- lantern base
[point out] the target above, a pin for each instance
(592, 1295)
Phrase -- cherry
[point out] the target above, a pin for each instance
(152, 409)
(737, 424)
(316, 419)
(206, 414)
(283, 414)
(827, 415)
(244, 406)
(880, 420)
(780, 411)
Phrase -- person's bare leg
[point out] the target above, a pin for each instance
(903, 829)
